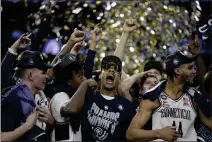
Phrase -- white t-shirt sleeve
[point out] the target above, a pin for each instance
(56, 103)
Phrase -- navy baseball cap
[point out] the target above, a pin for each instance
(64, 65)
(65, 61)
(111, 61)
(175, 60)
(31, 59)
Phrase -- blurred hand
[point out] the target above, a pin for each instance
(194, 46)
(168, 133)
(31, 119)
(144, 74)
(22, 42)
(130, 25)
(77, 47)
(92, 83)
(77, 36)
(96, 34)
(44, 115)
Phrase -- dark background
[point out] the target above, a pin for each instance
(15, 18)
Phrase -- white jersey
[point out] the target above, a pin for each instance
(63, 129)
(179, 113)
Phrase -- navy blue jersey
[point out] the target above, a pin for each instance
(105, 120)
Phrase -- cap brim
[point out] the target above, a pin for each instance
(192, 59)
(46, 66)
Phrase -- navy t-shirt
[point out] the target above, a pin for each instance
(105, 120)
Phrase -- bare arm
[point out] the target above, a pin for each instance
(14, 135)
(194, 49)
(129, 26)
(201, 70)
(134, 131)
(21, 130)
(76, 102)
(119, 52)
(206, 121)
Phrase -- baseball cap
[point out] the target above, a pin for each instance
(111, 61)
(64, 64)
(152, 64)
(177, 59)
(31, 59)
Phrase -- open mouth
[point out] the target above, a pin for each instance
(110, 78)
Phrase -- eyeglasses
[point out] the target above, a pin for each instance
(111, 67)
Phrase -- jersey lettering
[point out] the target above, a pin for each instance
(176, 113)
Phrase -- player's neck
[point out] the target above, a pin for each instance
(174, 88)
(105, 92)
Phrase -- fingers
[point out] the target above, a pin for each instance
(42, 110)
(22, 36)
(173, 127)
(28, 35)
(43, 119)
(41, 114)
(79, 33)
(131, 22)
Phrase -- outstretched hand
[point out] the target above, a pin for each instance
(96, 34)
(22, 42)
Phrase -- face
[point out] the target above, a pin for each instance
(38, 78)
(110, 79)
(77, 79)
(187, 72)
(157, 73)
(148, 84)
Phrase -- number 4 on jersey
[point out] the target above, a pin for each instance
(180, 131)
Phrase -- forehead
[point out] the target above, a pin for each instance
(154, 71)
(187, 65)
(151, 79)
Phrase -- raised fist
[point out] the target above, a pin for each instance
(96, 34)
(194, 46)
(130, 25)
(92, 83)
(77, 36)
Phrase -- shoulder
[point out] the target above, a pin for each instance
(12, 93)
(154, 93)
(59, 97)
(56, 103)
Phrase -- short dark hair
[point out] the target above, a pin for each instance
(67, 73)
(153, 64)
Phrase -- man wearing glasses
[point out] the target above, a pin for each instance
(105, 114)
